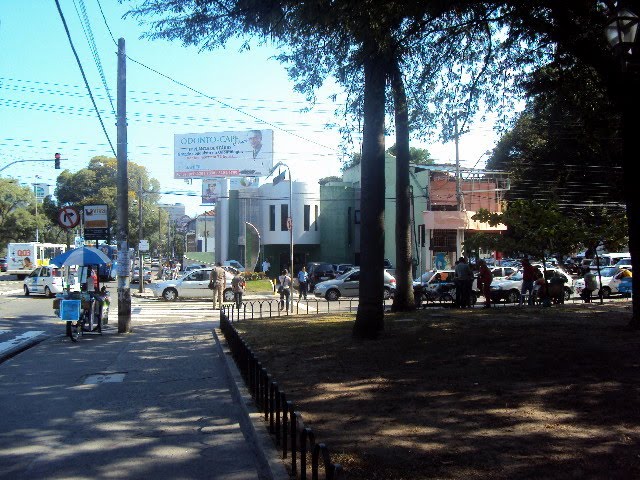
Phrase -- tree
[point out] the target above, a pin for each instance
(325, 180)
(418, 156)
(16, 221)
(533, 228)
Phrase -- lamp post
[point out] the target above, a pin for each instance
(36, 187)
(277, 180)
(622, 34)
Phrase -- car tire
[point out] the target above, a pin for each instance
(513, 296)
(170, 294)
(567, 294)
(47, 292)
(386, 295)
(606, 292)
(227, 295)
(26, 291)
(332, 295)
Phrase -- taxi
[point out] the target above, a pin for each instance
(48, 280)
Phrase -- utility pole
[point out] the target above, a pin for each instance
(124, 292)
(140, 236)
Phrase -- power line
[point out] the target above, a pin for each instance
(64, 22)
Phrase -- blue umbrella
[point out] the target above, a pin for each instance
(81, 256)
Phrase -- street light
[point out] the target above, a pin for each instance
(622, 34)
(290, 219)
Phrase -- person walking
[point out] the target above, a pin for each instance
(590, 286)
(485, 277)
(218, 277)
(238, 285)
(463, 278)
(284, 288)
(303, 280)
(528, 277)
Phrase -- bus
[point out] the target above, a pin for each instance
(23, 258)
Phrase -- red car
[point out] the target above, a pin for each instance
(3, 264)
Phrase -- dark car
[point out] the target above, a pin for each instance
(3, 264)
(319, 272)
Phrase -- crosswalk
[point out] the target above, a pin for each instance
(151, 311)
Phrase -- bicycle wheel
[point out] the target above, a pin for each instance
(73, 331)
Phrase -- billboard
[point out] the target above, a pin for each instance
(247, 153)
(96, 222)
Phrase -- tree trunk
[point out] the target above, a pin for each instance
(630, 126)
(370, 316)
(403, 299)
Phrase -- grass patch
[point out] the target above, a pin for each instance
(499, 393)
(258, 286)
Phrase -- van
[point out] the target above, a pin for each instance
(608, 259)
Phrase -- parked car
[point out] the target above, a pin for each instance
(341, 268)
(435, 283)
(348, 285)
(502, 272)
(509, 288)
(48, 280)
(3, 264)
(233, 263)
(146, 274)
(195, 266)
(319, 272)
(194, 284)
(611, 279)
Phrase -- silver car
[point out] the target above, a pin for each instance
(348, 285)
(194, 284)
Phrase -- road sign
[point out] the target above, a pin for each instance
(68, 217)
(143, 246)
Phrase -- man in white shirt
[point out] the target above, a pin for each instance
(265, 266)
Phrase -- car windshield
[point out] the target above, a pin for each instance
(425, 277)
(344, 275)
(609, 272)
(515, 276)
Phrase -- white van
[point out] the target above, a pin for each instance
(608, 259)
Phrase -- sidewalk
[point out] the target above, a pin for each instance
(157, 403)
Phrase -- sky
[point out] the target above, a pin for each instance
(46, 108)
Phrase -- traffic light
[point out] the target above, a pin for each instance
(57, 160)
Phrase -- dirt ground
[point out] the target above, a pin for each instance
(510, 393)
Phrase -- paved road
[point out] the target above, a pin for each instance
(156, 403)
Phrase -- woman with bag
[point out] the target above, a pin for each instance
(284, 288)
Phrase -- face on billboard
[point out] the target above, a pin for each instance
(223, 154)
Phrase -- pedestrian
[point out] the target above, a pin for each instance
(485, 277)
(303, 280)
(238, 285)
(463, 279)
(528, 277)
(176, 271)
(266, 266)
(284, 288)
(218, 277)
(590, 286)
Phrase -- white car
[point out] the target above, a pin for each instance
(233, 263)
(194, 284)
(48, 280)
(610, 281)
(348, 285)
(509, 288)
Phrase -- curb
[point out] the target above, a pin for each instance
(270, 467)
(12, 352)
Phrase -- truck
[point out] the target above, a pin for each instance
(23, 258)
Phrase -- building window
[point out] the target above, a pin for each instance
(284, 214)
(443, 240)
(272, 218)
(356, 217)
(315, 221)
(349, 227)
(307, 217)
